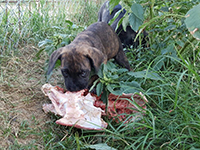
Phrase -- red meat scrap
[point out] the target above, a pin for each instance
(119, 106)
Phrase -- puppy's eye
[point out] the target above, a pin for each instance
(83, 74)
(64, 73)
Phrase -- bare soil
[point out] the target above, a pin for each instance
(21, 98)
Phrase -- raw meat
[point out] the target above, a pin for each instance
(76, 109)
(83, 110)
(120, 106)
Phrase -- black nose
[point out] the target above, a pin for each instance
(74, 88)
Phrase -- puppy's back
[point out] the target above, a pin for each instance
(104, 38)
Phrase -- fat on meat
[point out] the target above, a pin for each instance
(75, 108)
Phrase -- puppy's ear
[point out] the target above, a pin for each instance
(53, 58)
(96, 57)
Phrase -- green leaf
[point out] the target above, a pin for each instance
(57, 27)
(100, 146)
(104, 96)
(192, 21)
(130, 87)
(61, 35)
(170, 27)
(159, 64)
(44, 42)
(122, 70)
(99, 89)
(145, 74)
(170, 51)
(38, 53)
(125, 22)
(69, 22)
(112, 76)
(136, 17)
(101, 70)
(110, 65)
(111, 87)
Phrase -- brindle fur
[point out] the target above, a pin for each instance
(92, 47)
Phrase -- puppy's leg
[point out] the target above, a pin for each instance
(121, 59)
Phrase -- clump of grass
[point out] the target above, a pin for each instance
(87, 13)
(170, 122)
(37, 20)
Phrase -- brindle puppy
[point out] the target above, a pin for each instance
(92, 47)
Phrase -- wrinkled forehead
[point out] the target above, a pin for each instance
(74, 61)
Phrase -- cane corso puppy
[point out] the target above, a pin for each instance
(92, 47)
(127, 37)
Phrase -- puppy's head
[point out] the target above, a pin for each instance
(76, 65)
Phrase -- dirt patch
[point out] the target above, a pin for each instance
(21, 98)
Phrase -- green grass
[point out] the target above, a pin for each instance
(172, 118)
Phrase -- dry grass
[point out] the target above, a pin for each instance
(21, 98)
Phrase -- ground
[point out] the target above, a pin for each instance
(21, 98)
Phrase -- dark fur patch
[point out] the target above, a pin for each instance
(127, 37)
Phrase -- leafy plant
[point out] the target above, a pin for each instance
(133, 17)
(119, 80)
(59, 39)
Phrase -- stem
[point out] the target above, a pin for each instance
(151, 9)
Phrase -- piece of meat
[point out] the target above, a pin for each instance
(76, 109)
(119, 106)
(83, 110)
